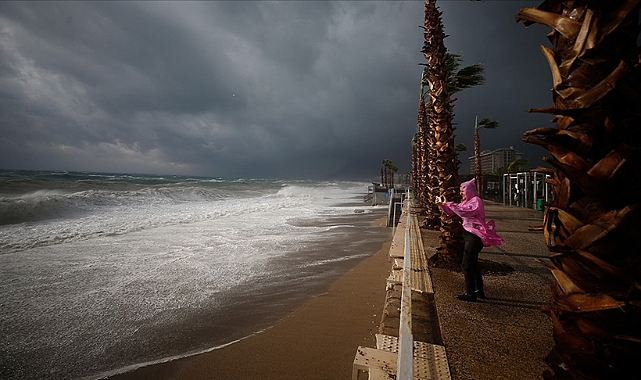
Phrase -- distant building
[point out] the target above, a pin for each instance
(493, 161)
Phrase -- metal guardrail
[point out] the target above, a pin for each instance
(402, 358)
(405, 369)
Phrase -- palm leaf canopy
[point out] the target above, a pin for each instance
(461, 148)
(487, 123)
(469, 76)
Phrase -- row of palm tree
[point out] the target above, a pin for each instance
(435, 161)
(388, 169)
(424, 174)
(442, 164)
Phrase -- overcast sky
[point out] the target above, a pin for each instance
(251, 89)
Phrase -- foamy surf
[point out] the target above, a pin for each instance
(104, 272)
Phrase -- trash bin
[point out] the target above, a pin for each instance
(539, 204)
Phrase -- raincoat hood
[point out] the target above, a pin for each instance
(469, 189)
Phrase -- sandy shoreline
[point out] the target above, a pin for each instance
(317, 341)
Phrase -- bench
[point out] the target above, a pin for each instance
(430, 361)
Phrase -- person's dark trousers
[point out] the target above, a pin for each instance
(470, 264)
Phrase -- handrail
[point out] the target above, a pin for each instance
(405, 365)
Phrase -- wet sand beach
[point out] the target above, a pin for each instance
(317, 341)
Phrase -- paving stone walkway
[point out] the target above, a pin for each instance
(505, 336)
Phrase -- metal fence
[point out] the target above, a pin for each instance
(527, 189)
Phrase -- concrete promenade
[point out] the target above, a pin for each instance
(505, 336)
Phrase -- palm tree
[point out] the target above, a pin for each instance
(486, 123)
(440, 124)
(393, 169)
(516, 166)
(444, 79)
(592, 228)
(416, 167)
(425, 178)
(384, 172)
(387, 173)
(419, 144)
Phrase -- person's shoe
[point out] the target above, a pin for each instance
(467, 297)
(480, 294)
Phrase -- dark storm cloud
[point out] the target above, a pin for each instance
(247, 89)
(518, 77)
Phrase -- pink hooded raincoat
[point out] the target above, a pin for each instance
(472, 212)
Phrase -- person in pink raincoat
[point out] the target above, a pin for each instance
(477, 233)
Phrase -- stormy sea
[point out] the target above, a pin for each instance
(103, 273)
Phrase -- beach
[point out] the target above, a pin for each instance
(317, 341)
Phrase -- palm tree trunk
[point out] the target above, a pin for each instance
(440, 124)
(433, 218)
(478, 170)
(427, 193)
(415, 172)
(592, 228)
(422, 159)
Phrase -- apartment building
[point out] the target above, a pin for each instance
(492, 161)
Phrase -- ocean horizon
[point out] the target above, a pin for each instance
(105, 272)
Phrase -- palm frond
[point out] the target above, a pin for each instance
(469, 76)
(487, 123)
(461, 148)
